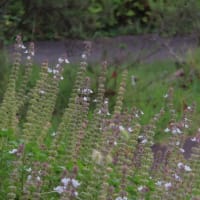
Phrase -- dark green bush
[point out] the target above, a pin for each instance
(49, 19)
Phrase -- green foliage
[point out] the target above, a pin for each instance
(175, 17)
(72, 18)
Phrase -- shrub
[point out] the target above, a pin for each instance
(91, 154)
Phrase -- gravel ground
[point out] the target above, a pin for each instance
(142, 48)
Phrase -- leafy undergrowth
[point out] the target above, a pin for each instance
(95, 143)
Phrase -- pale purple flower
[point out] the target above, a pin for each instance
(59, 189)
(194, 139)
(75, 183)
(65, 181)
(168, 185)
(177, 177)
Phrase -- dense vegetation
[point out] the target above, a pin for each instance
(94, 18)
(93, 150)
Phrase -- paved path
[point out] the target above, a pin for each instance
(146, 48)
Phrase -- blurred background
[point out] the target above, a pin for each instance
(82, 19)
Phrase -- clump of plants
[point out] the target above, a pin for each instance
(92, 153)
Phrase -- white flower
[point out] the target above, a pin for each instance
(85, 99)
(13, 151)
(75, 194)
(189, 108)
(59, 189)
(166, 96)
(180, 165)
(133, 80)
(28, 57)
(182, 150)
(42, 91)
(29, 177)
(187, 168)
(99, 112)
(49, 70)
(106, 101)
(38, 178)
(140, 188)
(177, 177)
(159, 183)
(26, 51)
(108, 114)
(84, 56)
(176, 130)
(29, 169)
(75, 183)
(194, 139)
(67, 61)
(58, 65)
(121, 198)
(65, 181)
(186, 126)
(121, 128)
(32, 53)
(167, 130)
(61, 78)
(130, 129)
(136, 115)
(55, 71)
(53, 134)
(115, 143)
(21, 46)
(177, 143)
(144, 141)
(168, 185)
(87, 91)
(60, 60)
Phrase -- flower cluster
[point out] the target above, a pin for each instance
(66, 184)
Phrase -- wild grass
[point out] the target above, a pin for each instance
(91, 137)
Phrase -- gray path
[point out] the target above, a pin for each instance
(146, 48)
